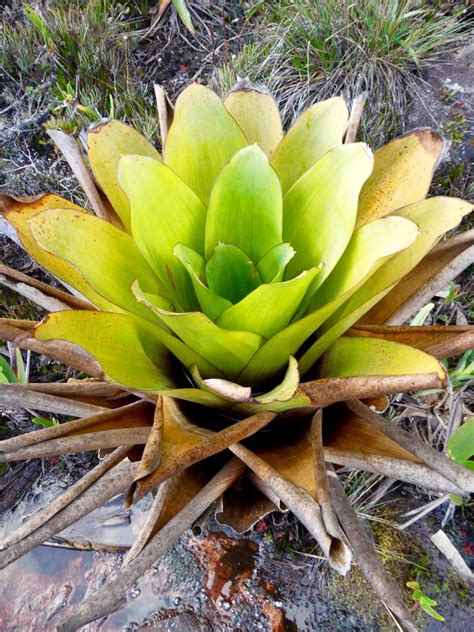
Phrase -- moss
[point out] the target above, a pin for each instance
(401, 555)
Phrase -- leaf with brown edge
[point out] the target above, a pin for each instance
(371, 566)
(257, 115)
(434, 272)
(64, 500)
(349, 357)
(111, 596)
(19, 396)
(460, 476)
(184, 443)
(59, 350)
(323, 392)
(131, 418)
(19, 214)
(351, 442)
(244, 504)
(171, 497)
(152, 451)
(402, 174)
(440, 341)
(107, 141)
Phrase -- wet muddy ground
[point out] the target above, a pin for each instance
(215, 580)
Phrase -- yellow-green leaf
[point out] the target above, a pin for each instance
(257, 116)
(211, 304)
(127, 348)
(320, 209)
(202, 139)
(105, 255)
(269, 308)
(352, 357)
(369, 245)
(245, 207)
(107, 142)
(287, 387)
(434, 217)
(164, 212)
(402, 174)
(229, 351)
(272, 265)
(230, 273)
(319, 129)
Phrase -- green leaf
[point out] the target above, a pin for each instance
(320, 209)
(197, 396)
(107, 142)
(402, 174)
(106, 256)
(461, 444)
(45, 423)
(245, 207)
(211, 304)
(202, 139)
(334, 327)
(269, 308)
(229, 351)
(231, 273)
(7, 376)
(319, 129)
(164, 212)
(367, 246)
(129, 349)
(271, 266)
(186, 355)
(257, 116)
(353, 357)
(183, 12)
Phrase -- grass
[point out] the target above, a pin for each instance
(309, 51)
(80, 55)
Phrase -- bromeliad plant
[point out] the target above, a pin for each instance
(234, 287)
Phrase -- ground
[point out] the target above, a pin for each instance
(212, 579)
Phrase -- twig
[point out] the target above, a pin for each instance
(423, 511)
(112, 483)
(355, 117)
(450, 552)
(42, 516)
(79, 443)
(100, 420)
(67, 146)
(151, 453)
(18, 396)
(152, 517)
(399, 469)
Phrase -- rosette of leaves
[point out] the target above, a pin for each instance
(225, 298)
